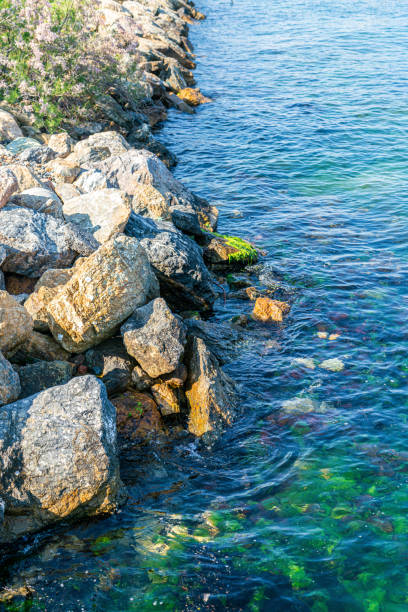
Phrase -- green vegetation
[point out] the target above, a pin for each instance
(245, 253)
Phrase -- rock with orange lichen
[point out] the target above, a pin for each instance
(266, 309)
(58, 453)
(211, 394)
(137, 417)
(169, 399)
(193, 96)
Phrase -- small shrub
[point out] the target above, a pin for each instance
(54, 63)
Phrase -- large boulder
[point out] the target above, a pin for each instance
(155, 337)
(58, 457)
(45, 290)
(178, 262)
(104, 213)
(155, 191)
(9, 382)
(98, 147)
(103, 291)
(8, 127)
(15, 323)
(211, 394)
(35, 241)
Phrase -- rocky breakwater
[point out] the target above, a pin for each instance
(103, 257)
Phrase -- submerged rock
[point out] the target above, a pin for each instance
(59, 457)
(155, 337)
(266, 309)
(35, 242)
(103, 291)
(211, 394)
(9, 383)
(334, 365)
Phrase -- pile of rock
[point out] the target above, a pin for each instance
(99, 251)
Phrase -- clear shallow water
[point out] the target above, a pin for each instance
(303, 505)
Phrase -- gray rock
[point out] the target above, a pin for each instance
(9, 129)
(155, 337)
(35, 242)
(18, 145)
(8, 185)
(42, 375)
(9, 382)
(211, 394)
(220, 338)
(40, 199)
(98, 147)
(58, 457)
(178, 262)
(110, 361)
(91, 180)
(37, 155)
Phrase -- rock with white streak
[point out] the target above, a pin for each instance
(103, 291)
(58, 452)
(104, 213)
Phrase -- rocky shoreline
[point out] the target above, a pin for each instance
(107, 266)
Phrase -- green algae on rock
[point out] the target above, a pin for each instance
(229, 251)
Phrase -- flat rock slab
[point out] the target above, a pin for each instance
(35, 241)
(155, 337)
(58, 453)
(104, 212)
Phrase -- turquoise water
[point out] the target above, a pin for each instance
(303, 504)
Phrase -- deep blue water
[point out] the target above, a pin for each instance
(303, 503)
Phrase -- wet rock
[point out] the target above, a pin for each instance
(306, 362)
(334, 365)
(155, 337)
(61, 143)
(211, 394)
(168, 399)
(39, 199)
(44, 291)
(35, 241)
(59, 457)
(103, 292)
(182, 106)
(64, 170)
(98, 147)
(42, 375)
(266, 309)
(15, 323)
(8, 185)
(192, 96)
(104, 213)
(39, 347)
(221, 339)
(9, 383)
(37, 155)
(178, 263)
(111, 363)
(229, 252)
(155, 192)
(137, 417)
(8, 127)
